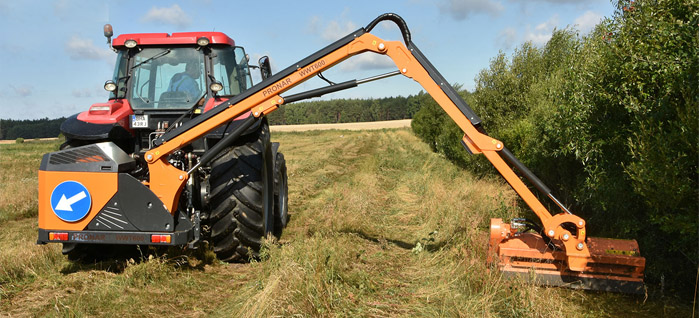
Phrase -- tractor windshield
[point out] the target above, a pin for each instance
(231, 69)
(171, 78)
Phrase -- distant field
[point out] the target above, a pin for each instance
(380, 227)
(5, 142)
(344, 126)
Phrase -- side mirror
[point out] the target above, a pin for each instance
(265, 68)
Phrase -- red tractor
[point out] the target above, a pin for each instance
(162, 81)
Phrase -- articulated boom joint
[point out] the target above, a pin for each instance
(575, 246)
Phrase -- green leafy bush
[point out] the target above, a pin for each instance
(630, 114)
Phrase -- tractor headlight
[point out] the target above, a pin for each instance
(110, 86)
(202, 41)
(130, 44)
(216, 87)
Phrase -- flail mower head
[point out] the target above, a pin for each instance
(613, 265)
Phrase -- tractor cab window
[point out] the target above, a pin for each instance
(167, 78)
(120, 76)
(231, 69)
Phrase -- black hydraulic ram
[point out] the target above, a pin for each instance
(225, 142)
(335, 87)
(538, 184)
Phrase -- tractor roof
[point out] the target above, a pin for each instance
(173, 39)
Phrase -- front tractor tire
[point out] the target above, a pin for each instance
(242, 197)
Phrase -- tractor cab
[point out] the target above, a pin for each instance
(161, 72)
(160, 81)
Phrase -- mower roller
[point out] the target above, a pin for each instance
(212, 174)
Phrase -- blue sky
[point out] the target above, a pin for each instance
(55, 60)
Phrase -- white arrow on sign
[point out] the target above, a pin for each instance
(66, 204)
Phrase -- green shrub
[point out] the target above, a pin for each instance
(630, 114)
(19, 140)
(609, 121)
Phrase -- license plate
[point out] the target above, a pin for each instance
(139, 121)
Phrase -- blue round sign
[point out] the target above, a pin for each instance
(70, 201)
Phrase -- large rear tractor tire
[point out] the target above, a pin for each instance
(241, 197)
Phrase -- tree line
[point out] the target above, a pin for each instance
(610, 120)
(345, 111)
(310, 112)
(11, 129)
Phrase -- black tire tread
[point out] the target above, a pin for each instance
(236, 198)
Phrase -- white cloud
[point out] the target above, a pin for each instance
(462, 9)
(538, 39)
(367, 61)
(336, 30)
(542, 32)
(333, 30)
(506, 38)
(23, 90)
(173, 15)
(82, 49)
(389, 26)
(313, 25)
(554, 1)
(61, 9)
(85, 92)
(587, 21)
(548, 25)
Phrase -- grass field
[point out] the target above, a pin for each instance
(380, 227)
